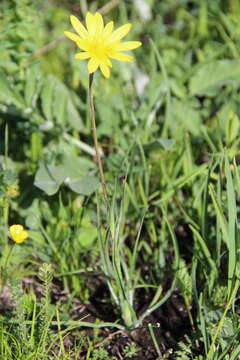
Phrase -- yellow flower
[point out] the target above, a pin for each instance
(18, 234)
(13, 191)
(100, 43)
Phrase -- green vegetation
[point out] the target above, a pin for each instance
(168, 128)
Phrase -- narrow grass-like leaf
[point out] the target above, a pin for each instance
(203, 324)
(220, 215)
(204, 248)
(136, 245)
(30, 87)
(218, 225)
(237, 176)
(168, 93)
(213, 75)
(232, 218)
(204, 216)
(179, 183)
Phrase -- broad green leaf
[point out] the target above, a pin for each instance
(158, 144)
(87, 233)
(178, 88)
(60, 102)
(76, 167)
(210, 76)
(45, 181)
(57, 172)
(73, 116)
(32, 221)
(72, 172)
(184, 116)
(47, 97)
(84, 186)
(30, 87)
(36, 236)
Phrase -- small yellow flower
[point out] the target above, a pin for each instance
(18, 234)
(13, 191)
(100, 43)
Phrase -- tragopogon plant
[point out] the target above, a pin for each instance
(99, 44)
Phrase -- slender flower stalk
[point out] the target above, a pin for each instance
(8, 256)
(94, 129)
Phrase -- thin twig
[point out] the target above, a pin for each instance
(109, 337)
(109, 6)
(94, 129)
(48, 47)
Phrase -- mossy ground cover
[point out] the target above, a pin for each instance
(151, 272)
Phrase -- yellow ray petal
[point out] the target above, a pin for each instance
(120, 56)
(22, 236)
(83, 44)
(91, 23)
(105, 70)
(72, 36)
(93, 64)
(78, 26)
(108, 29)
(108, 62)
(82, 56)
(128, 45)
(119, 33)
(99, 23)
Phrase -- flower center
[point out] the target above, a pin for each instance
(98, 49)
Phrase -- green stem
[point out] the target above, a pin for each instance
(8, 255)
(6, 217)
(155, 341)
(94, 130)
(3, 269)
